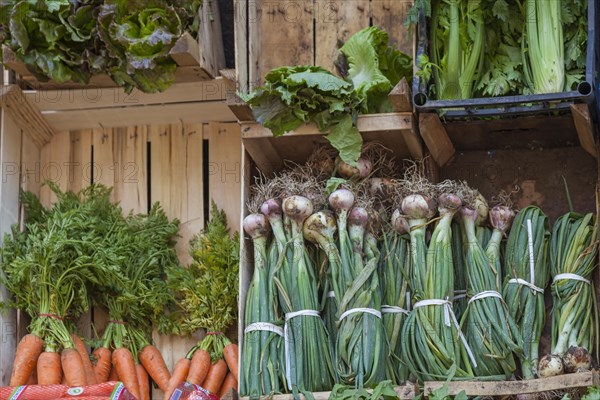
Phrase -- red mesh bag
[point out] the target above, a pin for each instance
(102, 391)
(188, 391)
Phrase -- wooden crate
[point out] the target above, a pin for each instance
(197, 60)
(170, 153)
(271, 34)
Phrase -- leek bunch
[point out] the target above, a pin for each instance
(526, 271)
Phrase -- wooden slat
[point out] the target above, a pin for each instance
(80, 174)
(335, 22)
(97, 98)
(25, 114)
(390, 15)
(132, 116)
(264, 155)
(240, 11)
(280, 33)
(435, 137)
(212, 54)
(130, 169)
(194, 220)
(104, 158)
(10, 160)
(30, 166)
(55, 166)
(400, 97)
(225, 170)
(365, 124)
(186, 51)
(511, 388)
(585, 127)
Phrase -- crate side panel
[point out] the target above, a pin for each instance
(55, 166)
(10, 159)
(335, 22)
(279, 33)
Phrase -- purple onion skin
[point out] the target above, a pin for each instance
(271, 207)
(577, 359)
(449, 202)
(501, 217)
(362, 170)
(256, 226)
(400, 223)
(297, 208)
(416, 206)
(358, 217)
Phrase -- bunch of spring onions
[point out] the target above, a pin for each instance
(395, 271)
(490, 330)
(526, 272)
(573, 252)
(262, 362)
(432, 348)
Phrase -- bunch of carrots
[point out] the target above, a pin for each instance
(83, 251)
(217, 373)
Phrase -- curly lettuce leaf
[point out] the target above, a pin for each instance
(346, 139)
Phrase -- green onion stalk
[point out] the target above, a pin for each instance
(433, 345)
(262, 363)
(460, 273)
(320, 229)
(309, 365)
(490, 330)
(526, 275)
(573, 252)
(361, 346)
(543, 46)
(482, 231)
(457, 41)
(395, 271)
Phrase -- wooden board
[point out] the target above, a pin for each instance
(396, 131)
(335, 22)
(225, 170)
(390, 16)
(55, 166)
(585, 128)
(155, 114)
(512, 388)
(279, 33)
(10, 160)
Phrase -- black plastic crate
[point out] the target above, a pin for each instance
(505, 106)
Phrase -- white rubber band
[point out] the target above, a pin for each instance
(573, 277)
(286, 336)
(530, 285)
(331, 294)
(264, 327)
(371, 311)
(448, 313)
(531, 256)
(483, 295)
(393, 310)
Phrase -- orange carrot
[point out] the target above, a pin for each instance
(155, 365)
(143, 382)
(103, 364)
(88, 367)
(33, 378)
(230, 354)
(229, 383)
(72, 366)
(114, 376)
(49, 368)
(199, 367)
(123, 362)
(180, 372)
(216, 376)
(26, 356)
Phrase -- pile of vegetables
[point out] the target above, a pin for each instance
(292, 96)
(374, 276)
(502, 47)
(71, 41)
(84, 252)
